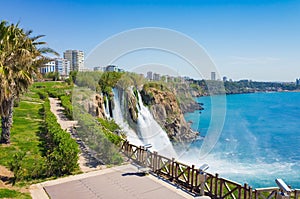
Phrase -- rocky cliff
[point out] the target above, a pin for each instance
(167, 112)
(163, 103)
(185, 93)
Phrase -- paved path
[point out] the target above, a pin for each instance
(109, 183)
(86, 162)
(118, 182)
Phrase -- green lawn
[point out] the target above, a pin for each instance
(24, 133)
(7, 193)
(27, 125)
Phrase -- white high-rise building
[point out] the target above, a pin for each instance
(150, 75)
(76, 58)
(48, 67)
(213, 76)
(156, 76)
(62, 66)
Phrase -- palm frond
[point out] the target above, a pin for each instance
(39, 43)
(37, 37)
(45, 50)
(28, 32)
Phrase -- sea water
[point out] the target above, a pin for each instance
(259, 142)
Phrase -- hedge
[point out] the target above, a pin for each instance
(62, 150)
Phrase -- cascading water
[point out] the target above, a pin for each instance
(119, 119)
(106, 108)
(148, 129)
(152, 133)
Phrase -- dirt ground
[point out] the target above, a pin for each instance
(5, 176)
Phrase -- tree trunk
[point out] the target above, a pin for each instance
(6, 121)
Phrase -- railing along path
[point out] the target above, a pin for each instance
(191, 178)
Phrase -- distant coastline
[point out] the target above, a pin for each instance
(201, 88)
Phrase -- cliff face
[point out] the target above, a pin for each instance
(167, 112)
(185, 94)
(98, 108)
(163, 105)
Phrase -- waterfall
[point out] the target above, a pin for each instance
(105, 109)
(119, 119)
(149, 131)
(152, 133)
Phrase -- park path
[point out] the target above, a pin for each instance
(124, 181)
(86, 162)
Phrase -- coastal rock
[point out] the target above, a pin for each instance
(96, 108)
(185, 93)
(131, 104)
(167, 112)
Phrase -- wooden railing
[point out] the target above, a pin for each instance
(191, 179)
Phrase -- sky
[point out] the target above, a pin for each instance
(246, 39)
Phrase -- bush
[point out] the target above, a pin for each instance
(109, 124)
(100, 139)
(66, 103)
(25, 168)
(62, 150)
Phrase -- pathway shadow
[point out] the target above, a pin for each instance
(6, 179)
(140, 174)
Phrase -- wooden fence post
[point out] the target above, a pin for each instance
(154, 161)
(188, 175)
(139, 154)
(196, 178)
(246, 189)
(221, 189)
(216, 185)
(240, 192)
(250, 192)
(173, 170)
(192, 177)
(256, 194)
(176, 170)
(211, 184)
(127, 148)
(296, 194)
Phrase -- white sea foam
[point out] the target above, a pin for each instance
(258, 172)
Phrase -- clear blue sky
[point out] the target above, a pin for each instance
(258, 39)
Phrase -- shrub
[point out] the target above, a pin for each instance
(62, 150)
(98, 138)
(66, 103)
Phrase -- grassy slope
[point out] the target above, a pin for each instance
(24, 138)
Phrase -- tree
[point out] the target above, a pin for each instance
(20, 57)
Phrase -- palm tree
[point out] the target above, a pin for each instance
(20, 57)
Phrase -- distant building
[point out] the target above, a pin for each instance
(156, 76)
(76, 58)
(213, 76)
(298, 82)
(112, 68)
(48, 67)
(149, 75)
(62, 66)
(99, 68)
(109, 68)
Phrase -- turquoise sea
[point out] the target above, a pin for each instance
(259, 142)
